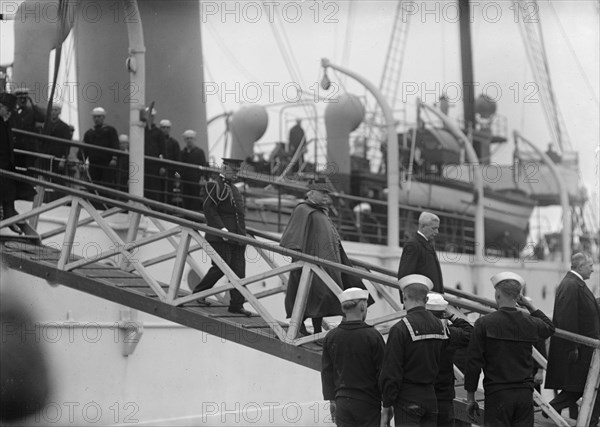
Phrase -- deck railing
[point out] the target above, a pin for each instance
(185, 232)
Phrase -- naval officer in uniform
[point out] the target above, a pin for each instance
(224, 209)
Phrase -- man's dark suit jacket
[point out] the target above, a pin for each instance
(419, 257)
(575, 310)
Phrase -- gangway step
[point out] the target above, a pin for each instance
(130, 290)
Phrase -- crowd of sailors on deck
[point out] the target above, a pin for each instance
(105, 158)
(410, 379)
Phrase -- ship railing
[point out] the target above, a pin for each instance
(470, 303)
(456, 230)
(173, 222)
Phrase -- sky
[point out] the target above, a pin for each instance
(245, 63)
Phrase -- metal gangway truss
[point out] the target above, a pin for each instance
(131, 282)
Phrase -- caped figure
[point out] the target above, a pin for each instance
(311, 232)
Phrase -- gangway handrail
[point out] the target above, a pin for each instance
(248, 175)
(309, 264)
(179, 221)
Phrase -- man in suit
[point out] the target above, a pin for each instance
(418, 255)
(224, 209)
(191, 177)
(575, 310)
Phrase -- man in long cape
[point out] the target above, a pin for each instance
(311, 232)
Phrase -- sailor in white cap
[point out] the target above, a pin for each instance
(98, 111)
(501, 346)
(351, 362)
(411, 361)
(102, 163)
(459, 332)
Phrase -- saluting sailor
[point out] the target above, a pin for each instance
(224, 209)
(411, 360)
(501, 346)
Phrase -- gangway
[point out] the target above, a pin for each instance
(130, 282)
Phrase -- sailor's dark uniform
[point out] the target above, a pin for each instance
(459, 333)
(351, 362)
(410, 367)
(224, 208)
(501, 345)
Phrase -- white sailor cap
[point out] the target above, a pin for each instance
(98, 111)
(123, 138)
(352, 294)
(189, 133)
(165, 123)
(436, 302)
(415, 279)
(507, 275)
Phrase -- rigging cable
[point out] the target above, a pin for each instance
(574, 55)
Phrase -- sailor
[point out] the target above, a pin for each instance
(154, 170)
(58, 129)
(351, 363)
(101, 163)
(8, 186)
(501, 346)
(459, 332)
(172, 152)
(411, 360)
(418, 254)
(192, 177)
(28, 117)
(224, 210)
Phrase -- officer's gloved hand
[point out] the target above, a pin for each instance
(574, 355)
(473, 409)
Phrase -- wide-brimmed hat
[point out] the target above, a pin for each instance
(319, 184)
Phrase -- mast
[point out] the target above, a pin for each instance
(466, 52)
(468, 88)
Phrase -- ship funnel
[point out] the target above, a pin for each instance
(247, 125)
(341, 118)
